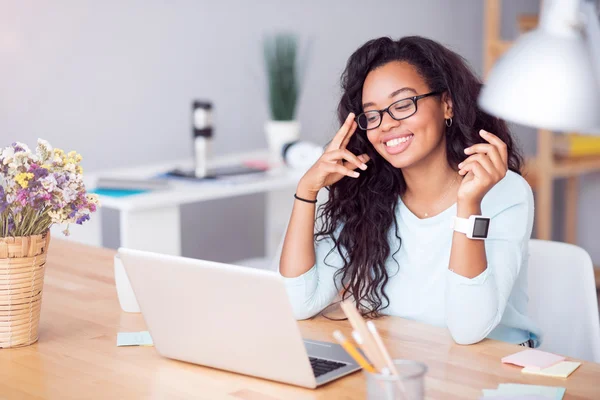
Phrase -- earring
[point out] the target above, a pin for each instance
(449, 122)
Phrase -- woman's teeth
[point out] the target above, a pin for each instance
(397, 141)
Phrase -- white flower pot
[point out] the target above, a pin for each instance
(278, 134)
(125, 293)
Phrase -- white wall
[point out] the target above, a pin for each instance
(114, 79)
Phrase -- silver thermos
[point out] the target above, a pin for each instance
(202, 132)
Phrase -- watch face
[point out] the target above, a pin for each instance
(480, 229)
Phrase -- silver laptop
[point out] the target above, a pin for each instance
(233, 318)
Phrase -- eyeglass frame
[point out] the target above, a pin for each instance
(387, 109)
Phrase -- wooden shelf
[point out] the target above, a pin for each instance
(562, 167)
(572, 166)
(527, 22)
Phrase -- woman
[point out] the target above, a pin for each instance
(414, 152)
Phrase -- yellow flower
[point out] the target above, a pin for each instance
(78, 158)
(79, 170)
(59, 152)
(23, 179)
(57, 160)
(71, 154)
(46, 166)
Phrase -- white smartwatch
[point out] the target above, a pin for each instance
(475, 227)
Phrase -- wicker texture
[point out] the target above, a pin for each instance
(22, 267)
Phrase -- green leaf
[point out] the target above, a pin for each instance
(280, 53)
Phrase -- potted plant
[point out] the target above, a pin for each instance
(37, 190)
(283, 76)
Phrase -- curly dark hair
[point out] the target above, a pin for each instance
(363, 210)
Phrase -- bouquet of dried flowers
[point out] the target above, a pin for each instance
(40, 189)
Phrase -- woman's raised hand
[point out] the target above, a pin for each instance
(336, 163)
(486, 165)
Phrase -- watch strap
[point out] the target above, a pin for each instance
(463, 225)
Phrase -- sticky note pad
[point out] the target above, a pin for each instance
(515, 389)
(134, 339)
(535, 359)
(561, 370)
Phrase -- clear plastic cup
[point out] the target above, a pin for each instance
(409, 384)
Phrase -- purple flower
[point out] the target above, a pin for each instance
(39, 173)
(37, 199)
(3, 202)
(17, 147)
(82, 219)
(11, 224)
(60, 179)
(74, 211)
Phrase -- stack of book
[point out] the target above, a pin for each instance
(122, 187)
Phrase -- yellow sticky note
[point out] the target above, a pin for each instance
(561, 370)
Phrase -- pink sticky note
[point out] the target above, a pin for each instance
(516, 397)
(532, 358)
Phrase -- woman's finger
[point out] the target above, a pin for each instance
(491, 151)
(485, 162)
(339, 137)
(477, 169)
(337, 168)
(349, 135)
(497, 142)
(343, 154)
(364, 158)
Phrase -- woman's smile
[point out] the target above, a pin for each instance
(398, 144)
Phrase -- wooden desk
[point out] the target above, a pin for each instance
(77, 358)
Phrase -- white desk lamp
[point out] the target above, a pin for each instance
(550, 78)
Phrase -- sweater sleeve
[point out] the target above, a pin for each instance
(314, 290)
(474, 307)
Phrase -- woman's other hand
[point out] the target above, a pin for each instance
(486, 165)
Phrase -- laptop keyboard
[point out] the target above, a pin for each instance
(321, 367)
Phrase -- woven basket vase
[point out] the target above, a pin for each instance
(22, 267)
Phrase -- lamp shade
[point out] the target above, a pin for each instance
(546, 80)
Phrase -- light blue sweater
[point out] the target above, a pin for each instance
(421, 288)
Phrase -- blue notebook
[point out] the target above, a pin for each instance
(117, 192)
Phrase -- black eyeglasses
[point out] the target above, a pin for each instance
(398, 110)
